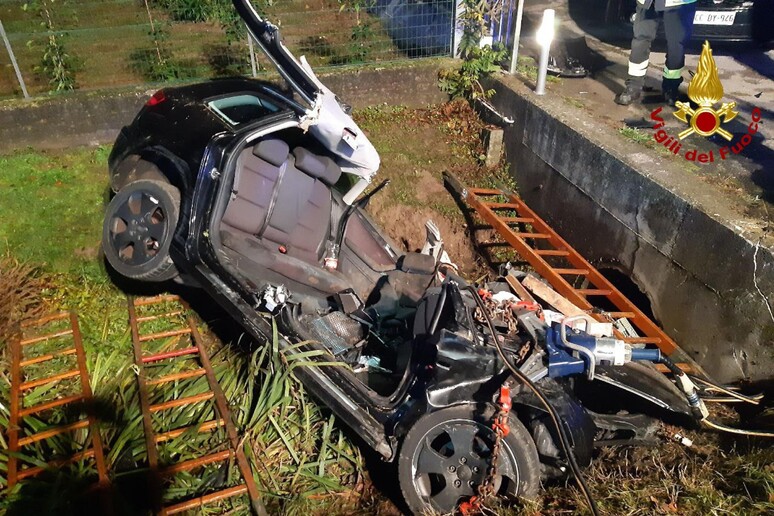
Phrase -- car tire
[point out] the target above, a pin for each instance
(137, 231)
(453, 442)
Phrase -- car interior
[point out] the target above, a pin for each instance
(283, 210)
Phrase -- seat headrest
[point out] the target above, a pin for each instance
(321, 167)
(273, 151)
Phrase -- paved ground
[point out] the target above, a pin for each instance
(747, 73)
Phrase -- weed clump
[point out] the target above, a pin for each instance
(20, 296)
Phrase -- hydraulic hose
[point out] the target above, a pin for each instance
(753, 400)
(697, 406)
(688, 388)
(561, 432)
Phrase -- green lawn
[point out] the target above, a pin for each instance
(51, 207)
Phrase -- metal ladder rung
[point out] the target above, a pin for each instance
(594, 291)
(204, 427)
(485, 191)
(501, 205)
(179, 402)
(33, 340)
(197, 462)
(177, 376)
(203, 500)
(534, 236)
(159, 316)
(170, 354)
(620, 315)
(51, 404)
(49, 379)
(642, 340)
(551, 252)
(52, 432)
(165, 298)
(514, 220)
(164, 334)
(31, 472)
(45, 358)
(576, 272)
(45, 320)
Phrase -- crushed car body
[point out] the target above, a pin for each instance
(257, 195)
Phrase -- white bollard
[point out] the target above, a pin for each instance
(544, 36)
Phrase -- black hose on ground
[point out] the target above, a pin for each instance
(561, 432)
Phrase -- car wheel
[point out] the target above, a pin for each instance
(138, 227)
(446, 454)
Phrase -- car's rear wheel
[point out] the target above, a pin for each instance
(138, 228)
(446, 455)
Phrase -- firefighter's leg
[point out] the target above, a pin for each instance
(645, 27)
(678, 24)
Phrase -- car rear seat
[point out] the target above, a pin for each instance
(300, 218)
(280, 212)
(257, 173)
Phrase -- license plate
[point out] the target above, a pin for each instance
(714, 17)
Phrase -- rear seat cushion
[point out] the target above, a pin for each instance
(301, 215)
(320, 167)
(258, 170)
(258, 256)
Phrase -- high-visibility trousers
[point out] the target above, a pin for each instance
(678, 25)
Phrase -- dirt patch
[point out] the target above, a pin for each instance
(429, 188)
(407, 228)
(417, 147)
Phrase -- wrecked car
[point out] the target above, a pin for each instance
(258, 196)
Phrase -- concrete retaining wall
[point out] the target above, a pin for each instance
(84, 118)
(622, 207)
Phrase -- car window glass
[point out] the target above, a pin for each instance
(243, 108)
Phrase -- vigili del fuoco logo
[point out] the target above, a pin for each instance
(705, 90)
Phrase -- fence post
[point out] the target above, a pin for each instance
(253, 64)
(13, 61)
(516, 37)
(457, 29)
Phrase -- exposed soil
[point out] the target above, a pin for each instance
(407, 227)
(417, 146)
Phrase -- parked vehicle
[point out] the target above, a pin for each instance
(715, 20)
(246, 191)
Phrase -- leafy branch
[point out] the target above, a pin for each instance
(478, 62)
(56, 63)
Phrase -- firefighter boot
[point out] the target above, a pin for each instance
(671, 90)
(632, 91)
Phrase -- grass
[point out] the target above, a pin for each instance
(50, 216)
(51, 207)
(636, 135)
(110, 45)
(57, 198)
(527, 67)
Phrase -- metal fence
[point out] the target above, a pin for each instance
(96, 44)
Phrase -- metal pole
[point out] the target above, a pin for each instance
(516, 37)
(459, 10)
(252, 55)
(13, 61)
(540, 88)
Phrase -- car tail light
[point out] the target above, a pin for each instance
(156, 99)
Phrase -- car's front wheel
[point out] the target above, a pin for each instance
(138, 228)
(446, 455)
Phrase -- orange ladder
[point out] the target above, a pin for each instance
(556, 261)
(34, 333)
(188, 345)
